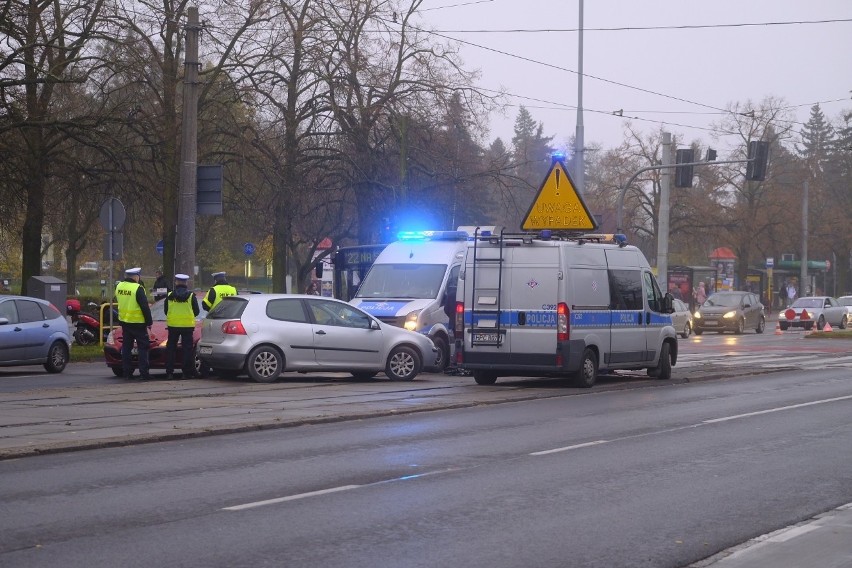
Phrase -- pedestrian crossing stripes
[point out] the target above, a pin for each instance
(771, 360)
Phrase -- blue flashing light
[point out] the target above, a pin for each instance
(431, 236)
(545, 234)
(620, 238)
(557, 157)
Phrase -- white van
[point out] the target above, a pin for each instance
(412, 284)
(545, 305)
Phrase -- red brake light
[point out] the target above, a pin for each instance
(233, 327)
(459, 323)
(563, 328)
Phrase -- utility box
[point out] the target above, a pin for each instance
(49, 288)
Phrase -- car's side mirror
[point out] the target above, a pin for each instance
(4, 321)
(374, 324)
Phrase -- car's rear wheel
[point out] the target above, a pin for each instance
(403, 364)
(761, 325)
(588, 373)
(663, 370)
(484, 377)
(264, 364)
(57, 357)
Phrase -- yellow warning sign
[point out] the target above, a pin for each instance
(558, 206)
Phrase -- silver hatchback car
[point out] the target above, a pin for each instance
(267, 334)
(33, 332)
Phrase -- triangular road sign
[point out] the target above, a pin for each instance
(558, 206)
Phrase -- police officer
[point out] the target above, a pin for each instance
(134, 314)
(181, 308)
(220, 289)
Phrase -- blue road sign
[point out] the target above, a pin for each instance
(160, 247)
(248, 248)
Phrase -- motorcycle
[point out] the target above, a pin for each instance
(86, 325)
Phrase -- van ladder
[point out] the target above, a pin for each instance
(487, 294)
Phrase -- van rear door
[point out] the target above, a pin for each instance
(530, 297)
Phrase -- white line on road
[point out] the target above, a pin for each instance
(566, 448)
(289, 498)
(779, 409)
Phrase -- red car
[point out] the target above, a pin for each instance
(158, 334)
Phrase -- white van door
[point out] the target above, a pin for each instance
(655, 320)
(628, 342)
(530, 296)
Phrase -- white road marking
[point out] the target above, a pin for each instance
(566, 448)
(779, 409)
(289, 498)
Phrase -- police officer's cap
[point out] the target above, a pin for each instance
(218, 275)
(182, 277)
(133, 271)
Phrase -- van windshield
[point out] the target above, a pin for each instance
(408, 281)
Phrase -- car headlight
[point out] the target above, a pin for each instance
(731, 314)
(411, 320)
(697, 315)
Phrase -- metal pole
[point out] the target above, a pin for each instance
(579, 143)
(803, 275)
(189, 150)
(663, 216)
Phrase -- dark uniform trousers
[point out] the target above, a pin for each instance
(135, 333)
(185, 336)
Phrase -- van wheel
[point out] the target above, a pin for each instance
(443, 353)
(264, 364)
(588, 373)
(484, 377)
(663, 370)
(403, 364)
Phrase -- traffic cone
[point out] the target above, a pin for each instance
(827, 328)
(778, 330)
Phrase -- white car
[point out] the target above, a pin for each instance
(681, 318)
(812, 312)
(267, 334)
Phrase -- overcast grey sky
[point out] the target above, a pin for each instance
(706, 68)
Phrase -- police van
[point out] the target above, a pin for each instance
(412, 284)
(544, 304)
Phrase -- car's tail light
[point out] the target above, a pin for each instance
(233, 327)
(563, 328)
(459, 323)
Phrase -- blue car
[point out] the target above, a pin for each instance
(33, 332)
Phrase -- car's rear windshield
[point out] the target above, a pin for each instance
(231, 307)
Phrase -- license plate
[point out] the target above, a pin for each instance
(485, 337)
(204, 350)
(710, 322)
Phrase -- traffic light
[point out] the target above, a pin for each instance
(683, 174)
(758, 156)
(711, 155)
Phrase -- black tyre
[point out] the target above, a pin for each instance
(117, 371)
(844, 322)
(740, 329)
(820, 323)
(57, 357)
(588, 373)
(686, 330)
(698, 331)
(783, 326)
(663, 370)
(443, 353)
(403, 364)
(484, 377)
(264, 364)
(761, 325)
(365, 376)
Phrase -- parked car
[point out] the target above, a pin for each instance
(846, 301)
(814, 311)
(267, 334)
(33, 332)
(681, 318)
(158, 334)
(730, 311)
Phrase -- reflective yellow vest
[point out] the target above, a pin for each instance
(222, 291)
(129, 310)
(180, 313)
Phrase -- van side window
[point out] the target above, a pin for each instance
(625, 287)
(652, 292)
